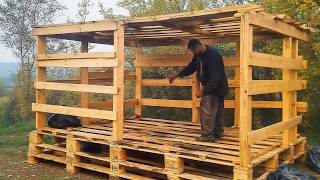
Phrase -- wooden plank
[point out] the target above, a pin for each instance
(176, 60)
(268, 22)
(118, 81)
(84, 79)
(164, 82)
(75, 28)
(78, 63)
(272, 86)
(82, 55)
(236, 118)
(246, 41)
(166, 103)
(75, 87)
(138, 89)
(41, 75)
(266, 132)
(227, 103)
(272, 61)
(74, 111)
(109, 104)
(195, 99)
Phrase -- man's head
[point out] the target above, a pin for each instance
(196, 47)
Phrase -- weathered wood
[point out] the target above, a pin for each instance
(272, 61)
(106, 25)
(246, 40)
(165, 82)
(166, 103)
(263, 20)
(75, 87)
(82, 55)
(272, 86)
(118, 81)
(41, 75)
(78, 63)
(263, 133)
(74, 111)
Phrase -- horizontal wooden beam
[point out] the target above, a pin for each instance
(279, 26)
(109, 104)
(166, 103)
(165, 82)
(266, 132)
(91, 55)
(177, 60)
(74, 111)
(272, 86)
(73, 63)
(75, 87)
(272, 61)
(75, 28)
(301, 106)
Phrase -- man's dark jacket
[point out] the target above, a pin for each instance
(212, 76)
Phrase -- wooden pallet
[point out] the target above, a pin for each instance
(39, 149)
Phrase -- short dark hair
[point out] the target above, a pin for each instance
(193, 43)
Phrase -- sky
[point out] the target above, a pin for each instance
(70, 12)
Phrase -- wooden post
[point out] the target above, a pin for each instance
(289, 98)
(72, 146)
(237, 90)
(195, 109)
(34, 139)
(84, 78)
(138, 80)
(173, 166)
(41, 75)
(117, 154)
(245, 126)
(118, 82)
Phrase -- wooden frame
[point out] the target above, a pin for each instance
(240, 24)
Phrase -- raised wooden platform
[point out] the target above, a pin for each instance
(158, 149)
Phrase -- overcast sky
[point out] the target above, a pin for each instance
(70, 12)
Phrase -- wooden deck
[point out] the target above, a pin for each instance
(149, 143)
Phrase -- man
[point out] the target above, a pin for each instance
(213, 87)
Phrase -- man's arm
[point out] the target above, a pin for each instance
(186, 71)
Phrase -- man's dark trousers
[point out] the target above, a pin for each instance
(211, 115)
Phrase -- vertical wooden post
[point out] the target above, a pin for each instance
(34, 139)
(117, 154)
(41, 75)
(118, 82)
(195, 109)
(138, 80)
(72, 146)
(245, 125)
(289, 98)
(173, 166)
(84, 78)
(237, 90)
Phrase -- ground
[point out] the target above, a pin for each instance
(13, 165)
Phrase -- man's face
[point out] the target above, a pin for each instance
(196, 50)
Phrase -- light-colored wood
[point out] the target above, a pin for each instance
(237, 90)
(84, 79)
(246, 40)
(166, 103)
(82, 55)
(74, 111)
(117, 154)
(72, 147)
(272, 86)
(290, 50)
(41, 76)
(78, 63)
(165, 82)
(75, 87)
(195, 99)
(109, 104)
(118, 81)
(138, 92)
(173, 164)
(34, 139)
(75, 28)
(263, 20)
(272, 61)
(266, 132)
(176, 60)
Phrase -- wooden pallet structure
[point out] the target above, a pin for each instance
(145, 148)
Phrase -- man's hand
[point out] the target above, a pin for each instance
(199, 93)
(172, 78)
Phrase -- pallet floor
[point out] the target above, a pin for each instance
(148, 143)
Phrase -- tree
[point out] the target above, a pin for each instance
(17, 17)
(83, 10)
